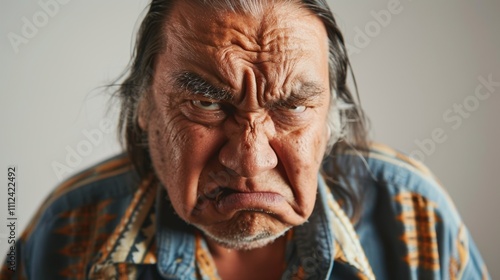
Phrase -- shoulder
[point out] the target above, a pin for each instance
(407, 210)
(395, 173)
(106, 182)
(110, 179)
(77, 218)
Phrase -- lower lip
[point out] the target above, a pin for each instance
(263, 202)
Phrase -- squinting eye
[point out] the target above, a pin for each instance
(206, 105)
(297, 109)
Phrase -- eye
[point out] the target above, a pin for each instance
(206, 105)
(296, 109)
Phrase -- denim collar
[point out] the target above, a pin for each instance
(175, 241)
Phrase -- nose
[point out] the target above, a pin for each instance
(248, 151)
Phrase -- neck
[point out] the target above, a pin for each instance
(267, 262)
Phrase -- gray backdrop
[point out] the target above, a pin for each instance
(418, 64)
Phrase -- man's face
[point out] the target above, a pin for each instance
(236, 119)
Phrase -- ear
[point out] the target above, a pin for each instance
(143, 113)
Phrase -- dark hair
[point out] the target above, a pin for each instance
(346, 119)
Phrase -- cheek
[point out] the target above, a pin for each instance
(302, 153)
(179, 151)
(304, 149)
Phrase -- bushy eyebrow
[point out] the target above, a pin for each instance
(308, 91)
(303, 94)
(194, 84)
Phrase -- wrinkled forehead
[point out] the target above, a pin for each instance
(263, 26)
(267, 12)
(274, 39)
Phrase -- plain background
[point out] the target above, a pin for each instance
(412, 69)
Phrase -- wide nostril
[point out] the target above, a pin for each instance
(247, 151)
(248, 159)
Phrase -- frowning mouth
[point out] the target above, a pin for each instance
(228, 201)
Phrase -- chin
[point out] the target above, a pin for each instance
(246, 242)
(248, 231)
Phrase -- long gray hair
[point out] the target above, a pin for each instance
(346, 119)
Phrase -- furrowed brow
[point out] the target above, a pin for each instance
(309, 91)
(194, 84)
(304, 93)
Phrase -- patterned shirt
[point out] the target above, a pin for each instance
(106, 223)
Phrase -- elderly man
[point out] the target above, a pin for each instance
(228, 111)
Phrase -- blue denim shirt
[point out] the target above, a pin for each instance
(106, 223)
